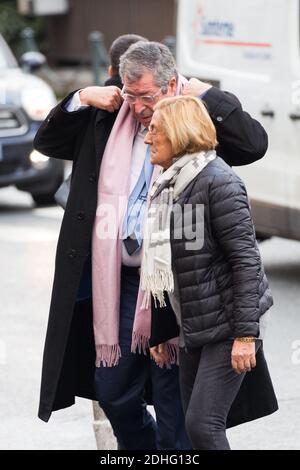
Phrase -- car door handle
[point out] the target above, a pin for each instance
(294, 117)
(267, 113)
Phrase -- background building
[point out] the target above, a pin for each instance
(69, 23)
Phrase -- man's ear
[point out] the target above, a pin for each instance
(110, 71)
(173, 85)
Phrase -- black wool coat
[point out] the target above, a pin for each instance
(81, 136)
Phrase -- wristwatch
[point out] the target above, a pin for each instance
(246, 339)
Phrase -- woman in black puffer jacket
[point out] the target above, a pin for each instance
(200, 253)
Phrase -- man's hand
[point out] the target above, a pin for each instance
(243, 356)
(103, 97)
(160, 354)
(195, 87)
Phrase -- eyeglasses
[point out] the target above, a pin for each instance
(153, 130)
(146, 99)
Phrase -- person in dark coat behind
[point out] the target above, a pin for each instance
(78, 129)
(200, 249)
(118, 47)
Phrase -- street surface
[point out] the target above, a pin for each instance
(28, 238)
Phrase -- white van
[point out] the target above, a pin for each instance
(252, 49)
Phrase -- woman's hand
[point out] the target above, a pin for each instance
(243, 356)
(160, 354)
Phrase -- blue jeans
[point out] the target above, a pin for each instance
(121, 389)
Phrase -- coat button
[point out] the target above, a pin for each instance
(219, 118)
(80, 215)
(72, 254)
(92, 177)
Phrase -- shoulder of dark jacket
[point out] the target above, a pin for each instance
(217, 172)
(220, 103)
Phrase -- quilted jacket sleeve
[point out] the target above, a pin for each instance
(233, 229)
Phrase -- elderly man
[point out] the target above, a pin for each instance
(97, 343)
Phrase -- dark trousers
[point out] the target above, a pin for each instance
(209, 386)
(121, 389)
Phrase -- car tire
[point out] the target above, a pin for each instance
(47, 199)
(261, 237)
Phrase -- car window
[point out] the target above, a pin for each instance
(7, 59)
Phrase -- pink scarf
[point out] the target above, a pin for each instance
(113, 192)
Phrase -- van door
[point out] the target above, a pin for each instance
(274, 182)
(290, 111)
(249, 47)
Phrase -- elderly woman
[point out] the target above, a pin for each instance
(200, 253)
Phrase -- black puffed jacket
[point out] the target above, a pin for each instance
(222, 287)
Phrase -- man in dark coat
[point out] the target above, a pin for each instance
(78, 129)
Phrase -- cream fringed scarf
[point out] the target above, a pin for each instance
(157, 275)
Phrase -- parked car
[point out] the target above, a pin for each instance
(25, 101)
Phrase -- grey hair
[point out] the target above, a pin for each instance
(151, 56)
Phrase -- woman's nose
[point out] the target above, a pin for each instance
(147, 138)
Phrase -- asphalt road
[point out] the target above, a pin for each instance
(28, 238)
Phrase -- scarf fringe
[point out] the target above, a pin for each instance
(108, 355)
(162, 280)
(173, 353)
(173, 356)
(140, 343)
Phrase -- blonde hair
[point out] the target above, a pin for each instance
(187, 124)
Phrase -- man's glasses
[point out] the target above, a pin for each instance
(146, 99)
